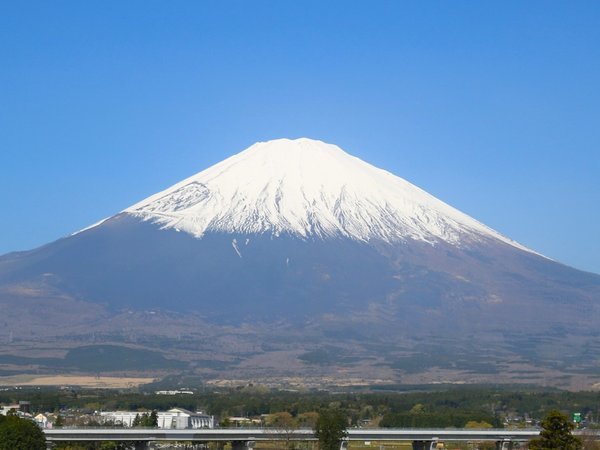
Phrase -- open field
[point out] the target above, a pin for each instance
(74, 380)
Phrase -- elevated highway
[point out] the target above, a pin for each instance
(422, 439)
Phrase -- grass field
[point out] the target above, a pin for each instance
(74, 380)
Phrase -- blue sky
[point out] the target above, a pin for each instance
(493, 107)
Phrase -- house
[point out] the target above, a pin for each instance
(42, 421)
(21, 410)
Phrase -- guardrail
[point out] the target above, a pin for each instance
(274, 434)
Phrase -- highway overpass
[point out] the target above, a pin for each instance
(244, 438)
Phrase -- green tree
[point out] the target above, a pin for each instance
(153, 419)
(478, 425)
(146, 420)
(418, 408)
(225, 422)
(556, 434)
(282, 420)
(308, 419)
(112, 445)
(137, 421)
(59, 421)
(330, 428)
(20, 434)
(285, 424)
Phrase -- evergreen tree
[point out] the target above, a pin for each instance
(330, 429)
(59, 422)
(153, 419)
(137, 421)
(556, 434)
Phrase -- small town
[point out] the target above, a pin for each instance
(254, 417)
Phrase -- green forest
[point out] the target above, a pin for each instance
(449, 406)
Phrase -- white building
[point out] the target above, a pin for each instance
(177, 418)
(17, 409)
(4, 410)
(177, 392)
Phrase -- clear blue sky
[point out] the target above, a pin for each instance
(493, 106)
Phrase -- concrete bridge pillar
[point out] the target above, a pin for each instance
(242, 445)
(504, 445)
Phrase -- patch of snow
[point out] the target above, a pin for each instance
(235, 247)
(94, 225)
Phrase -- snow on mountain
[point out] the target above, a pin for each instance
(308, 188)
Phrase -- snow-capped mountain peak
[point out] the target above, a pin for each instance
(308, 188)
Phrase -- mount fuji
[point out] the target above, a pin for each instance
(296, 257)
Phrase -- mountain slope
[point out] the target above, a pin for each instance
(290, 246)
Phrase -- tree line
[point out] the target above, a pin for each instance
(441, 408)
(330, 429)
